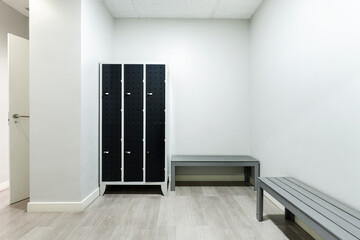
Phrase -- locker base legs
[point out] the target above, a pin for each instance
(164, 189)
(102, 189)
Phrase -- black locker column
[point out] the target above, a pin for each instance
(133, 122)
(111, 122)
(155, 123)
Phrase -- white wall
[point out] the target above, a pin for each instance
(97, 27)
(305, 87)
(208, 63)
(68, 40)
(55, 100)
(13, 22)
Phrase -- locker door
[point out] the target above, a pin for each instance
(133, 122)
(155, 123)
(111, 122)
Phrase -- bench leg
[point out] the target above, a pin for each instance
(247, 174)
(260, 204)
(289, 215)
(173, 175)
(256, 175)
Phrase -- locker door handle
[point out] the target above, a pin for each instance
(127, 152)
(106, 152)
(19, 116)
(128, 94)
(149, 93)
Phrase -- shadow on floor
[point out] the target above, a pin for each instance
(211, 183)
(155, 189)
(290, 229)
(21, 205)
(133, 189)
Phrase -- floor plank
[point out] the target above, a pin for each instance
(141, 212)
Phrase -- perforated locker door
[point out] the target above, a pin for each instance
(111, 122)
(155, 123)
(133, 122)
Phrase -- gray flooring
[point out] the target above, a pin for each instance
(141, 212)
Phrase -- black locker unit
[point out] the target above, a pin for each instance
(155, 123)
(133, 122)
(133, 125)
(111, 122)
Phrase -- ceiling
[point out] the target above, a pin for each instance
(236, 9)
(19, 5)
(233, 9)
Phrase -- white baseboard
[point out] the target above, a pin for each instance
(4, 185)
(63, 206)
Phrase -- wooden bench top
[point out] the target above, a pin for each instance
(337, 218)
(209, 158)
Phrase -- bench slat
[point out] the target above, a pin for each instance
(334, 202)
(325, 222)
(335, 209)
(212, 158)
(318, 207)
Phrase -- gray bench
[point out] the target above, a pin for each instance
(215, 161)
(326, 216)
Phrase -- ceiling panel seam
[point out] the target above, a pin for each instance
(136, 10)
(216, 6)
(204, 9)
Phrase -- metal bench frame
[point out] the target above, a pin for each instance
(326, 225)
(215, 161)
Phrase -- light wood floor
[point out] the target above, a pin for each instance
(192, 212)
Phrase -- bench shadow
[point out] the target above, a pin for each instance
(290, 229)
(211, 184)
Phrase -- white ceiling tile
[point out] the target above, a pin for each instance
(243, 9)
(19, 5)
(121, 8)
(239, 9)
(175, 8)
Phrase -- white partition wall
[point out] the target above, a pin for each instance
(97, 29)
(55, 101)
(68, 39)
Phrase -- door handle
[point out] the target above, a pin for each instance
(127, 152)
(106, 152)
(19, 116)
(128, 94)
(149, 93)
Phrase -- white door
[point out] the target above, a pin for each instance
(18, 57)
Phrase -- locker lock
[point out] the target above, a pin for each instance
(149, 93)
(106, 152)
(127, 152)
(128, 94)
